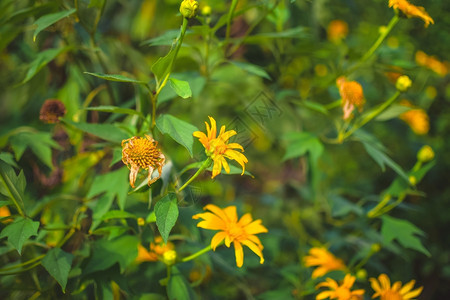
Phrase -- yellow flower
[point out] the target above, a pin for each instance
(340, 292)
(4, 212)
(157, 250)
(188, 8)
(431, 63)
(352, 95)
(337, 30)
(324, 260)
(383, 289)
(239, 232)
(416, 118)
(218, 148)
(138, 152)
(411, 10)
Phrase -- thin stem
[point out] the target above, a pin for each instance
(205, 164)
(229, 18)
(196, 254)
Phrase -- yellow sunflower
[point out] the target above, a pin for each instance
(411, 10)
(385, 291)
(324, 261)
(340, 292)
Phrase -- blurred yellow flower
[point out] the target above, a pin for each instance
(239, 232)
(337, 31)
(425, 154)
(416, 118)
(340, 292)
(431, 63)
(4, 212)
(411, 10)
(218, 148)
(324, 261)
(138, 152)
(385, 291)
(352, 95)
(157, 250)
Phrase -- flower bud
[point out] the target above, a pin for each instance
(361, 274)
(188, 8)
(141, 221)
(403, 83)
(425, 154)
(412, 180)
(206, 10)
(375, 248)
(169, 257)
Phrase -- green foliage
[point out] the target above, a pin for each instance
(166, 212)
(50, 19)
(19, 232)
(58, 263)
(177, 129)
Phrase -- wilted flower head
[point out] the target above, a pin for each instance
(385, 291)
(411, 10)
(431, 63)
(340, 292)
(218, 148)
(139, 152)
(323, 260)
(239, 232)
(352, 95)
(51, 111)
(337, 30)
(188, 8)
(416, 118)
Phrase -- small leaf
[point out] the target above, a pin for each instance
(252, 69)
(42, 59)
(180, 87)
(118, 214)
(404, 232)
(177, 129)
(113, 183)
(12, 185)
(299, 143)
(178, 287)
(19, 232)
(166, 39)
(166, 211)
(108, 132)
(47, 20)
(116, 77)
(115, 109)
(161, 67)
(58, 264)
(392, 112)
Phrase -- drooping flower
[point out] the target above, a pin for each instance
(432, 63)
(416, 118)
(352, 95)
(324, 261)
(51, 111)
(340, 292)
(337, 31)
(139, 152)
(385, 291)
(411, 10)
(157, 250)
(239, 232)
(218, 147)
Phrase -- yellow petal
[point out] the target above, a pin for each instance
(231, 213)
(217, 239)
(133, 174)
(225, 165)
(255, 227)
(407, 287)
(211, 221)
(245, 220)
(216, 210)
(217, 167)
(235, 146)
(239, 252)
(324, 295)
(212, 132)
(255, 249)
(375, 285)
(413, 294)
(384, 281)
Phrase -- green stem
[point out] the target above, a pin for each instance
(196, 254)
(229, 18)
(381, 38)
(205, 164)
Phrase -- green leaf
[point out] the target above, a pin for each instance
(118, 214)
(116, 77)
(161, 67)
(9, 159)
(105, 254)
(166, 211)
(40, 144)
(392, 112)
(177, 129)
(111, 231)
(404, 232)
(180, 87)
(252, 69)
(19, 232)
(58, 264)
(42, 59)
(108, 132)
(113, 183)
(47, 20)
(299, 143)
(12, 185)
(166, 39)
(315, 106)
(115, 110)
(178, 287)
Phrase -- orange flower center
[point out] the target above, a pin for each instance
(141, 152)
(343, 293)
(216, 147)
(236, 232)
(391, 295)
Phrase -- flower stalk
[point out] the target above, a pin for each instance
(197, 254)
(205, 165)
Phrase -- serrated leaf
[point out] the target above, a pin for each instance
(116, 77)
(161, 67)
(41, 60)
(9, 159)
(47, 20)
(113, 183)
(178, 287)
(177, 129)
(105, 254)
(252, 69)
(118, 214)
(108, 132)
(392, 112)
(19, 232)
(12, 185)
(115, 109)
(180, 87)
(404, 232)
(58, 264)
(166, 211)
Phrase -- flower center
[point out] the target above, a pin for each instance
(142, 152)
(343, 293)
(236, 232)
(216, 147)
(391, 295)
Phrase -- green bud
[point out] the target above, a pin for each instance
(188, 8)
(403, 83)
(425, 154)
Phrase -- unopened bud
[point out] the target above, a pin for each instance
(141, 221)
(425, 154)
(412, 180)
(375, 248)
(169, 257)
(403, 83)
(361, 274)
(188, 8)
(206, 10)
